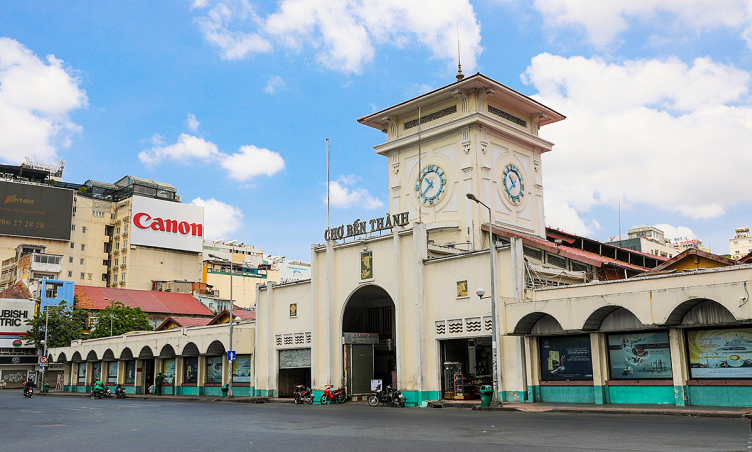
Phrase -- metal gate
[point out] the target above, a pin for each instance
(359, 368)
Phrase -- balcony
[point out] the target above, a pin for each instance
(116, 236)
(125, 233)
(47, 263)
(115, 251)
(122, 265)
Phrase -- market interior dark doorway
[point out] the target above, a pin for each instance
(370, 310)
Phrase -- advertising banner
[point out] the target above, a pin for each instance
(168, 371)
(566, 358)
(112, 369)
(82, 373)
(720, 353)
(13, 316)
(35, 211)
(241, 369)
(167, 224)
(639, 356)
(130, 372)
(214, 369)
(190, 370)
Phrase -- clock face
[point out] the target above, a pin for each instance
(514, 184)
(429, 186)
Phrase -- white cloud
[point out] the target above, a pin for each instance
(35, 100)
(252, 161)
(192, 122)
(603, 21)
(672, 232)
(342, 196)
(247, 163)
(344, 33)
(275, 83)
(220, 219)
(659, 133)
(560, 215)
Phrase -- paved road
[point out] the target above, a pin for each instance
(81, 424)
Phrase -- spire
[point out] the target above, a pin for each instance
(459, 75)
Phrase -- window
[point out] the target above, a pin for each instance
(125, 228)
(117, 246)
(51, 291)
(82, 275)
(72, 245)
(130, 372)
(122, 278)
(117, 231)
(104, 277)
(124, 258)
(190, 370)
(114, 278)
(81, 373)
(70, 274)
(73, 227)
(70, 260)
(82, 262)
(125, 243)
(83, 229)
(116, 262)
(214, 369)
(112, 368)
(736, 242)
(83, 247)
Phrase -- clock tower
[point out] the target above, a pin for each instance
(472, 136)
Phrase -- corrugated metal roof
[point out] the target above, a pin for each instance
(244, 314)
(88, 297)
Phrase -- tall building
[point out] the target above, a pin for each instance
(741, 244)
(124, 234)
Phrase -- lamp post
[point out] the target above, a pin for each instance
(232, 318)
(112, 312)
(480, 292)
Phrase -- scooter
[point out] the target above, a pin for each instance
(337, 396)
(104, 393)
(380, 396)
(303, 395)
(120, 392)
(28, 392)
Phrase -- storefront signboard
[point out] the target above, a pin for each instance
(359, 227)
(361, 338)
(566, 358)
(725, 353)
(639, 356)
(241, 369)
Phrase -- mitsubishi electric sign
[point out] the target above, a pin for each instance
(13, 316)
(166, 224)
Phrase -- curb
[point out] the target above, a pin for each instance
(697, 413)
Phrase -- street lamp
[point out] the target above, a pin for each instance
(480, 292)
(232, 313)
(112, 312)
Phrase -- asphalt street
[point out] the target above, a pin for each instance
(81, 424)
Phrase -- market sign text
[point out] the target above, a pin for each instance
(359, 227)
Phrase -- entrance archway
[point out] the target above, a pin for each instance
(369, 331)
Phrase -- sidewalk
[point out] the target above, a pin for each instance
(637, 409)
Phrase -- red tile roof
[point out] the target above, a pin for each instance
(184, 322)
(17, 291)
(88, 297)
(244, 314)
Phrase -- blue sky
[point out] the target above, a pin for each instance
(231, 101)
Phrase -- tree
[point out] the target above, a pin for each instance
(124, 319)
(65, 325)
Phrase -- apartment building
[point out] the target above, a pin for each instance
(741, 244)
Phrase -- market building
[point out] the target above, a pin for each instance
(394, 298)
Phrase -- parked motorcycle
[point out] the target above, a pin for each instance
(120, 391)
(388, 397)
(28, 392)
(303, 395)
(337, 396)
(398, 399)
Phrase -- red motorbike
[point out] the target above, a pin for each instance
(337, 396)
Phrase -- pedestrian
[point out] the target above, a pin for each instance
(158, 384)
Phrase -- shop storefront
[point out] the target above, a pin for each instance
(466, 366)
(294, 369)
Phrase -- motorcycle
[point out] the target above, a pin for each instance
(105, 393)
(398, 399)
(389, 397)
(28, 392)
(337, 396)
(120, 392)
(303, 395)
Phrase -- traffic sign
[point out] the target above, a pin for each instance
(231, 355)
(42, 360)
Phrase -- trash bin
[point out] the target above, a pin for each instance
(46, 388)
(486, 393)
(225, 388)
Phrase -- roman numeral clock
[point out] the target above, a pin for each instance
(430, 184)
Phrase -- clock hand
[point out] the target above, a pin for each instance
(514, 182)
(430, 185)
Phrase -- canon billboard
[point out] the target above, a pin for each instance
(166, 224)
(35, 211)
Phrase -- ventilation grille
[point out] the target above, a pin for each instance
(293, 339)
(473, 325)
(533, 253)
(440, 328)
(455, 326)
(559, 261)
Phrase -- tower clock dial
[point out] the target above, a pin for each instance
(514, 184)
(430, 184)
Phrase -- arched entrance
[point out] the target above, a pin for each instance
(369, 333)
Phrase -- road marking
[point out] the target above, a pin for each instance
(50, 425)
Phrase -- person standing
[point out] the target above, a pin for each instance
(158, 384)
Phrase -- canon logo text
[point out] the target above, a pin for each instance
(145, 221)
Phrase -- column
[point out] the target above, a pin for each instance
(679, 365)
(201, 374)
(599, 356)
(532, 367)
(121, 372)
(179, 374)
(138, 381)
(67, 374)
(420, 252)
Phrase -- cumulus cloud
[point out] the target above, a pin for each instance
(675, 232)
(672, 132)
(35, 100)
(247, 163)
(275, 83)
(343, 33)
(192, 122)
(603, 21)
(342, 195)
(220, 219)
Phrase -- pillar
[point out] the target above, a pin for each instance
(420, 253)
(599, 357)
(121, 372)
(532, 367)
(679, 365)
(179, 374)
(201, 374)
(138, 381)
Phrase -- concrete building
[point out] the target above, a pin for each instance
(125, 234)
(647, 239)
(741, 244)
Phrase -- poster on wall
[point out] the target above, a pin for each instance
(241, 369)
(82, 373)
(130, 372)
(97, 367)
(168, 372)
(639, 356)
(191, 370)
(214, 369)
(720, 353)
(112, 369)
(566, 358)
